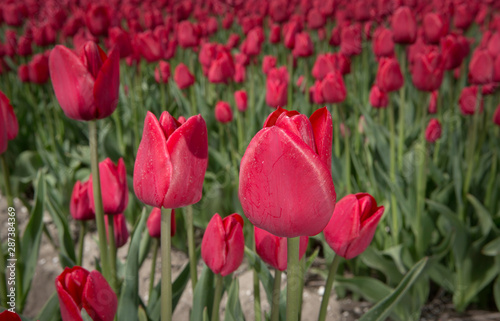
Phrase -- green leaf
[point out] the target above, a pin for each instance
(66, 245)
(233, 311)
(376, 261)
(129, 298)
(50, 310)
(265, 276)
(496, 292)
(203, 294)
(142, 314)
(382, 309)
(27, 165)
(492, 248)
(371, 289)
(443, 276)
(485, 221)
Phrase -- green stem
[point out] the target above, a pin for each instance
(239, 124)
(193, 100)
(275, 309)
(119, 133)
(112, 252)
(347, 155)
(392, 157)
(163, 100)
(491, 182)
(293, 268)
(166, 268)
(217, 297)
(81, 240)
(191, 249)
(421, 186)
(402, 92)
(6, 177)
(99, 210)
(256, 285)
(153, 268)
(328, 287)
(290, 85)
(336, 128)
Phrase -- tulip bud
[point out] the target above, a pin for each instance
(315, 19)
(333, 88)
(316, 94)
(496, 69)
(9, 126)
(404, 26)
(223, 112)
(183, 77)
(121, 39)
(468, 101)
(38, 69)
(6, 315)
(428, 70)
(383, 45)
(154, 223)
(239, 73)
(162, 72)
(378, 98)
(252, 44)
(389, 76)
(275, 34)
(303, 45)
(435, 26)
(481, 68)
(233, 40)
(433, 102)
(222, 68)
(335, 37)
(277, 87)
(452, 52)
(23, 73)
(223, 244)
(240, 97)
(268, 63)
(187, 35)
(433, 131)
(24, 46)
(350, 44)
(353, 224)
(120, 229)
(79, 205)
(324, 64)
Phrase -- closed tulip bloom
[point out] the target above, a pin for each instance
(9, 126)
(24, 46)
(252, 44)
(335, 37)
(187, 35)
(353, 224)
(404, 26)
(285, 179)
(290, 29)
(241, 99)
(316, 94)
(162, 72)
(23, 73)
(435, 26)
(233, 40)
(315, 19)
(239, 73)
(147, 45)
(171, 161)
(183, 77)
(383, 44)
(428, 70)
(378, 98)
(222, 68)
(6, 315)
(154, 223)
(496, 69)
(433, 102)
(496, 116)
(464, 14)
(223, 112)
(98, 19)
(79, 205)
(272, 249)
(350, 40)
(303, 45)
(481, 67)
(87, 86)
(120, 230)
(493, 44)
(324, 64)
(277, 87)
(121, 39)
(268, 63)
(433, 131)
(333, 88)
(275, 34)
(223, 244)
(468, 101)
(38, 69)
(114, 187)
(389, 76)
(77, 289)
(452, 52)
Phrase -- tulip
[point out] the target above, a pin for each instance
(121, 39)
(324, 64)
(279, 10)
(496, 116)
(154, 222)
(183, 77)
(223, 112)
(290, 29)
(239, 74)
(87, 86)
(120, 230)
(38, 69)
(353, 224)
(187, 35)
(252, 44)
(285, 175)
(268, 63)
(464, 14)
(113, 180)
(383, 44)
(222, 68)
(494, 44)
(77, 288)
(233, 40)
(275, 34)
(223, 244)
(389, 76)
(6, 315)
(227, 22)
(147, 45)
(350, 40)
(24, 46)
(333, 88)
(277, 87)
(428, 70)
(404, 26)
(273, 249)
(162, 72)
(481, 67)
(452, 52)
(435, 26)
(80, 207)
(23, 73)
(9, 126)
(433, 102)
(303, 45)
(171, 161)
(315, 20)
(316, 94)
(496, 69)
(208, 52)
(241, 99)
(468, 101)
(433, 131)
(98, 19)
(335, 37)
(378, 98)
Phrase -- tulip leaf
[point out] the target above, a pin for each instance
(144, 248)
(262, 271)
(371, 289)
(86, 316)
(142, 316)
(66, 246)
(383, 308)
(233, 311)
(496, 292)
(485, 221)
(50, 310)
(203, 296)
(377, 261)
(492, 248)
(442, 276)
(27, 165)
(129, 298)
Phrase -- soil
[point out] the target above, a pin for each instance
(48, 268)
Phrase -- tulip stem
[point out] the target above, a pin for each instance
(191, 249)
(217, 297)
(6, 177)
(166, 268)
(290, 86)
(99, 210)
(421, 185)
(336, 126)
(328, 287)
(193, 100)
(153, 268)
(491, 182)
(256, 285)
(275, 309)
(81, 240)
(401, 115)
(293, 280)
(119, 133)
(347, 155)
(112, 252)
(3, 282)
(392, 161)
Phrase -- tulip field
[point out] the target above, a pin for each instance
(249, 160)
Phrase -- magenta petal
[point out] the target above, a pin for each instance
(298, 125)
(107, 85)
(188, 150)
(152, 169)
(69, 310)
(266, 245)
(213, 245)
(235, 244)
(73, 84)
(281, 253)
(321, 121)
(358, 245)
(285, 188)
(99, 300)
(9, 117)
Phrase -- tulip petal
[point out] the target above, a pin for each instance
(358, 245)
(3, 133)
(99, 300)
(285, 188)
(267, 246)
(69, 309)
(107, 85)
(281, 253)
(213, 245)
(235, 243)
(9, 117)
(153, 168)
(73, 84)
(321, 121)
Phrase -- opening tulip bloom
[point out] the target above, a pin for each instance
(223, 112)
(86, 86)
(277, 87)
(79, 206)
(353, 224)
(171, 161)
(286, 186)
(223, 244)
(8, 122)
(78, 288)
(433, 131)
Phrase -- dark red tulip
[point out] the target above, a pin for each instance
(44, 35)
(148, 45)
(469, 102)
(187, 35)
(121, 39)
(494, 44)
(433, 102)
(154, 223)
(433, 131)
(303, 45)
(350, 40)
(316, 94)
(223, 112)
(290, 29)
(383, 44)
(496, 116)
(353, 224)
(23, 73)
(480, 67)
(285, 179)
(315, 19)
(183, 77)
(77, 289)
(24, 46)
(435, 27)
(404, 26)
(277, 87)
(207, 54)
(240, 97)
(223, 244)
(98, 19)
(427, 70)
(13, 14)
(233, 40)
(171, 161)
(252, 44)
(275, 34)
(10, 45)
(38, 69)
(227, 22)
(279, 10)
(114, 187)
(268, 63)
(239, 74)
(272, 249)
(378, 98)
(6, 315)
(162, 72)
(464, 14)
(333, 88)
(335, 37)
(222, 68)
(452, 52)
(362, 11)
(119, 228)
(79, 205)
(72, 25)
(389, 76)
(86, 86)
(8, 122)
(324, 64)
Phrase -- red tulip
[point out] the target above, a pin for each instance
(222, 68)
(121, 39)
(496, 116)
(162, 72)
(24, 46)
(23, 73)
(286, 186)
(433, 102)
(275, 34)
(273, 249)
(277, 87)
(464, 14)
(496, 69)
(252, 44)
(77, 288)
(268, 63)
(316, 94)
(303, 45)
(433, 131)
(171, 161)
(493, 44)
(79, 205)
(315, 19)
(353, 224)
(333, 88)
(114, 187)
(183, 77)
(383, 44)
(279, 10)
(240, 97)
(404, 26)
(87, 86)
(335, 37)
(427, 70)
(324, 64)
(223, 112)
(350, 40)
(154, 223)
(6, 315)
(38, 69)
(290, 29)
(389, 76)
(223, 244)
(227, 22)
(233, 40)
(44, 35)
(468, 101)
(8, 122)
(120, 230)
(147, 45)
(452, 52)
(378, 98)
(435, 27)
(187, 35)
(98, 19)
(239, 73)
(481, 67)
